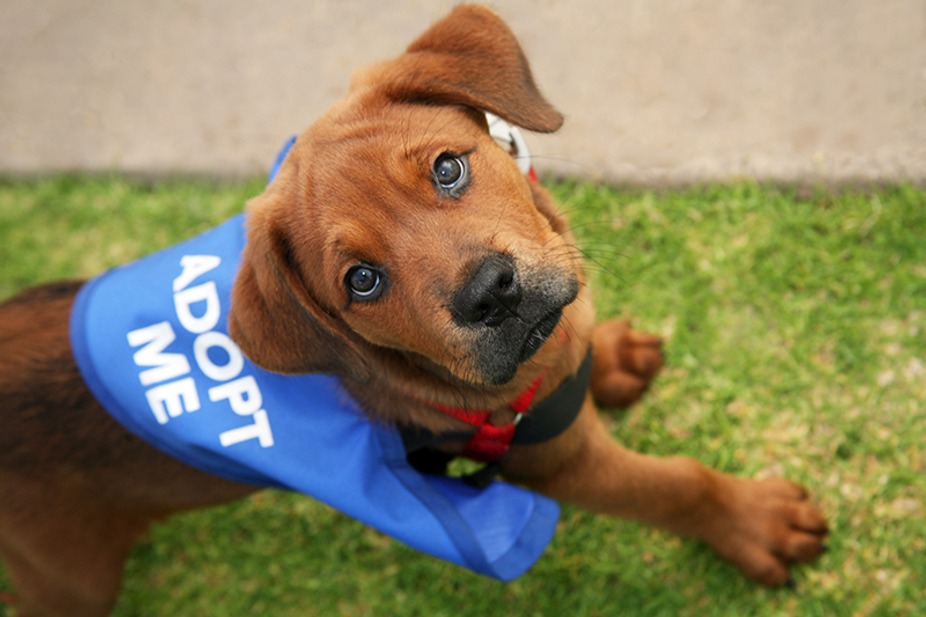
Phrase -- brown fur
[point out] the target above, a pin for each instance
(78, 490)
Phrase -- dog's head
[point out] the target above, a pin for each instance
(398, 225)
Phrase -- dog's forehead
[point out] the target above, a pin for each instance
(369, 154)
(400, 130)
(372, 188)
(380, 204)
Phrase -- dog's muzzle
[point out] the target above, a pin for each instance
(509, 314)
(491, 295)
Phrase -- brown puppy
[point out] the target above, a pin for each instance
(401, 249)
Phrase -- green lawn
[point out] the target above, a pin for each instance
(796, 330)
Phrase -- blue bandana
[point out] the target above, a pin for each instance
(151, 341)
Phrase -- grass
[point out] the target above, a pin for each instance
(796, 330)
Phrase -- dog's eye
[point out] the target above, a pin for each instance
(364, 282)
(451, 173)
(448, 170)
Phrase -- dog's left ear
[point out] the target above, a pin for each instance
(275, 318)
(471, 58)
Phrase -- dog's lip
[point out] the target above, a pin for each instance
(538, 335)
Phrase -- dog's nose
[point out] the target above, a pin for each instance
(491, 294)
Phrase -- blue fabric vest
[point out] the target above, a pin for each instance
(151, 341)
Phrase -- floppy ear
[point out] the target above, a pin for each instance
(471, 58)
(274, 317)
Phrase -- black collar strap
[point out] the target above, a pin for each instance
(554, 414)
(544, 421)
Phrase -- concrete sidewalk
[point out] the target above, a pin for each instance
(653, 90)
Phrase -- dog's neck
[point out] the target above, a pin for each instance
(405, 387)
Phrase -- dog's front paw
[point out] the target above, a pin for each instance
(768, 526)
(624, 363)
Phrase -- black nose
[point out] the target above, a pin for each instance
(491, 294)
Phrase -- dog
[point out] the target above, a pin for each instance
(400, 249)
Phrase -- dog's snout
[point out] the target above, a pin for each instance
(490, 295)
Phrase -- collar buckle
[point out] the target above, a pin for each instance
(510, 137)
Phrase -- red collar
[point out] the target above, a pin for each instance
(490, 442)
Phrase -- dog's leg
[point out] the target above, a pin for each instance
(64, 551)
(760, 526)
(624, 363)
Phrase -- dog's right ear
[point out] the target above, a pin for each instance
(472, 58)
(274, 317)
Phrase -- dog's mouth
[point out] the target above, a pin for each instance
(532, 310)
(538, 335)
